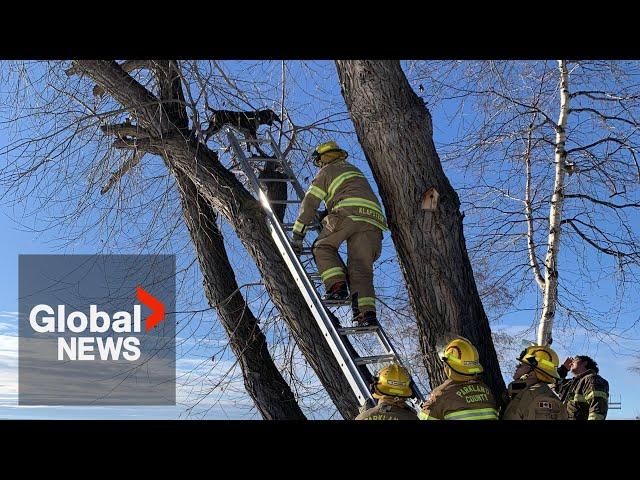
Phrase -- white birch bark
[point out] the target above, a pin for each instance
(531, 246)
(550, 293)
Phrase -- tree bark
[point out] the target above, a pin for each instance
(226, 195)
(394, 129)
(528, 211)
(262, 380)
(550, 293)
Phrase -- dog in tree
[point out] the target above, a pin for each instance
(245, 122)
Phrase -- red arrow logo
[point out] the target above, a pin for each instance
(156, 306)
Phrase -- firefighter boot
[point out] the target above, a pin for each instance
(338, 291)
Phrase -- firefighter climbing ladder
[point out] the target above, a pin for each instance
(304, 279)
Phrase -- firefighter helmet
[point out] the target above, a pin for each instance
(326, 153)
(543, 359)
(461, 359)
(392, 381)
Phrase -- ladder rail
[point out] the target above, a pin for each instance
(348, 366)
(384, 340)
(287, 169)
(305, 282)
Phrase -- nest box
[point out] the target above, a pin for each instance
(430, 200)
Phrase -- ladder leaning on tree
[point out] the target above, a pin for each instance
(353, 366)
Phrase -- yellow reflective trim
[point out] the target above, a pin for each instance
(366, 302)
(595, 416)
(474, 414)
(339, 180)
(331, 272)
(317, 192)
(425, 416)
(358, 202)
(596, 393)
(356, 218)
(577, 398)
(298, 227)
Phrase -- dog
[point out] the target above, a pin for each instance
(245, 122)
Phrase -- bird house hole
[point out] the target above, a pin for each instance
(430, 200)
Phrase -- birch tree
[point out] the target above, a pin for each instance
(549, 154)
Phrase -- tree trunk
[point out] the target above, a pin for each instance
(225, 194)
(262, 380)
(394, 129)
(550, 293)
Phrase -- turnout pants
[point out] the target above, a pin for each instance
(364, 245)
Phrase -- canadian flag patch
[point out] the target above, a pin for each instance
(548, 405)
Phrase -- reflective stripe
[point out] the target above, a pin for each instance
(577, 398)
(356, 218)
(358, 202)
(339, 180)
(596, 393)
(317, 192)
(331, 272)
(298, 227)
(595, 416)
(366, 302)
(475, 414)
(424, 416)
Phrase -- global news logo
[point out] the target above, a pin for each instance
(85, 346)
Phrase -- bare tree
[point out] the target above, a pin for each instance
(549, 153)
(262, 379)
(395, 131)
(159, 126)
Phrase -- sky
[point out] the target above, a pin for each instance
(196, 372)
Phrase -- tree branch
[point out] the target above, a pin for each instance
(602, 202)
(123, 170)
(608, 251)
(533, 260)
(603, 116)
(125, 130)
(128, 66)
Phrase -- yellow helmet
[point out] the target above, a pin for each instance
(543, 359)
(326, 153)
(461, 359)
(392, 381)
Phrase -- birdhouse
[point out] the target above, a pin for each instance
(430, 200)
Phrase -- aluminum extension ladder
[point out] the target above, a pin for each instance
(350, 363)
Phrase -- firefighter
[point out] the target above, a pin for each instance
(530, 396)
(353, 215)
(391, 387)
(463, 396)
(586, 395)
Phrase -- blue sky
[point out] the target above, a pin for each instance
(202, 334)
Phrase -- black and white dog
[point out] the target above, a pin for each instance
(245, 122)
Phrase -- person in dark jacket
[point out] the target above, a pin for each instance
(586, 395)
(530, 396)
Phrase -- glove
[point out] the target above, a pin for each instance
(296, 243)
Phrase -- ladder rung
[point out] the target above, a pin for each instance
(283, 202)
(338, 303)
(357, 330)
(275, 180)
(374, 359)
(254, 140)
(263, 159)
